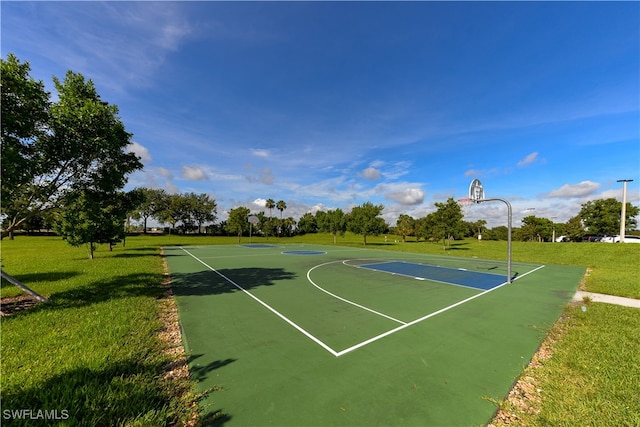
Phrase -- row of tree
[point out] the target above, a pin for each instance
(85, 218)
(192, 211)
(363, 220)
(65, 163)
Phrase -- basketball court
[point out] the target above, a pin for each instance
(305, 335)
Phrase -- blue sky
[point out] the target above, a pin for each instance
(332, 104)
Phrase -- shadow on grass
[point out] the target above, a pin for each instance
(118, 393)
(225, 280)
(458, 247)
(130, 285)
(45, 277)
(139, 254)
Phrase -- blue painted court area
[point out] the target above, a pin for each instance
(454, 276)
(304, 252)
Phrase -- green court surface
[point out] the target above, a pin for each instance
(311, 335)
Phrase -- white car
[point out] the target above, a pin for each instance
(616, 239)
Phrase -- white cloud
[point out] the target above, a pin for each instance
(408, 196)
(139, 150)
(120, 43)
(585, 188)
(260, 152)
(166, 173)
(531, 158)
(194, 173)
(260, 202)
(371, 173)
(396, 170)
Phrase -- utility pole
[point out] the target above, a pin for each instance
(623, 215)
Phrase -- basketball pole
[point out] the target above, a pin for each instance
(509, 213)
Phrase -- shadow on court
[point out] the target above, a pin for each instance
(200, 371)
(225, 280)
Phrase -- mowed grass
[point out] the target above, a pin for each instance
(94, 350)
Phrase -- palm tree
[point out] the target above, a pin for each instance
(281, 206)
(270, 204)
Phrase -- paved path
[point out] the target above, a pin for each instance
(609, 299)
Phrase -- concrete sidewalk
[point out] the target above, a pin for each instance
(609, 299)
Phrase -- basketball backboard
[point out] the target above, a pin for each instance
(476, 191)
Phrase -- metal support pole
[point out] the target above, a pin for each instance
(22, 286)
(509, 213)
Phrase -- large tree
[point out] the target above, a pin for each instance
(92, 217)
(80, 145)
(405, 226)
(536, 229)
(307, 224)
(204, 209)
(574, 228)
(448, 220)
(603, 216)
(365, 220)
(150, 206)
(169, 210)
(192, 210)
(238, 221)
(24, 118)
(334, 222)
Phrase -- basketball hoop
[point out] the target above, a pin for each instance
(476, 195)
(465, 205)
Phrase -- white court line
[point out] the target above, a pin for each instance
(346, 300)
(528, 272)
(364, 267)
(363, 343)
(268, 307)
(435, 313)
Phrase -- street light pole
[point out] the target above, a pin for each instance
(623, 215)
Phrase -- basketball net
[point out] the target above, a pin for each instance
(465, 206)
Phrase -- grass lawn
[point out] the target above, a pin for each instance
(94, 352)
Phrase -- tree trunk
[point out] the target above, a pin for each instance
(91, 248)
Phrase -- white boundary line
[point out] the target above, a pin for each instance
(344, 299)
(364, 267)
(268, 307)
(363, 343)
(435, 313)
(406, 325)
